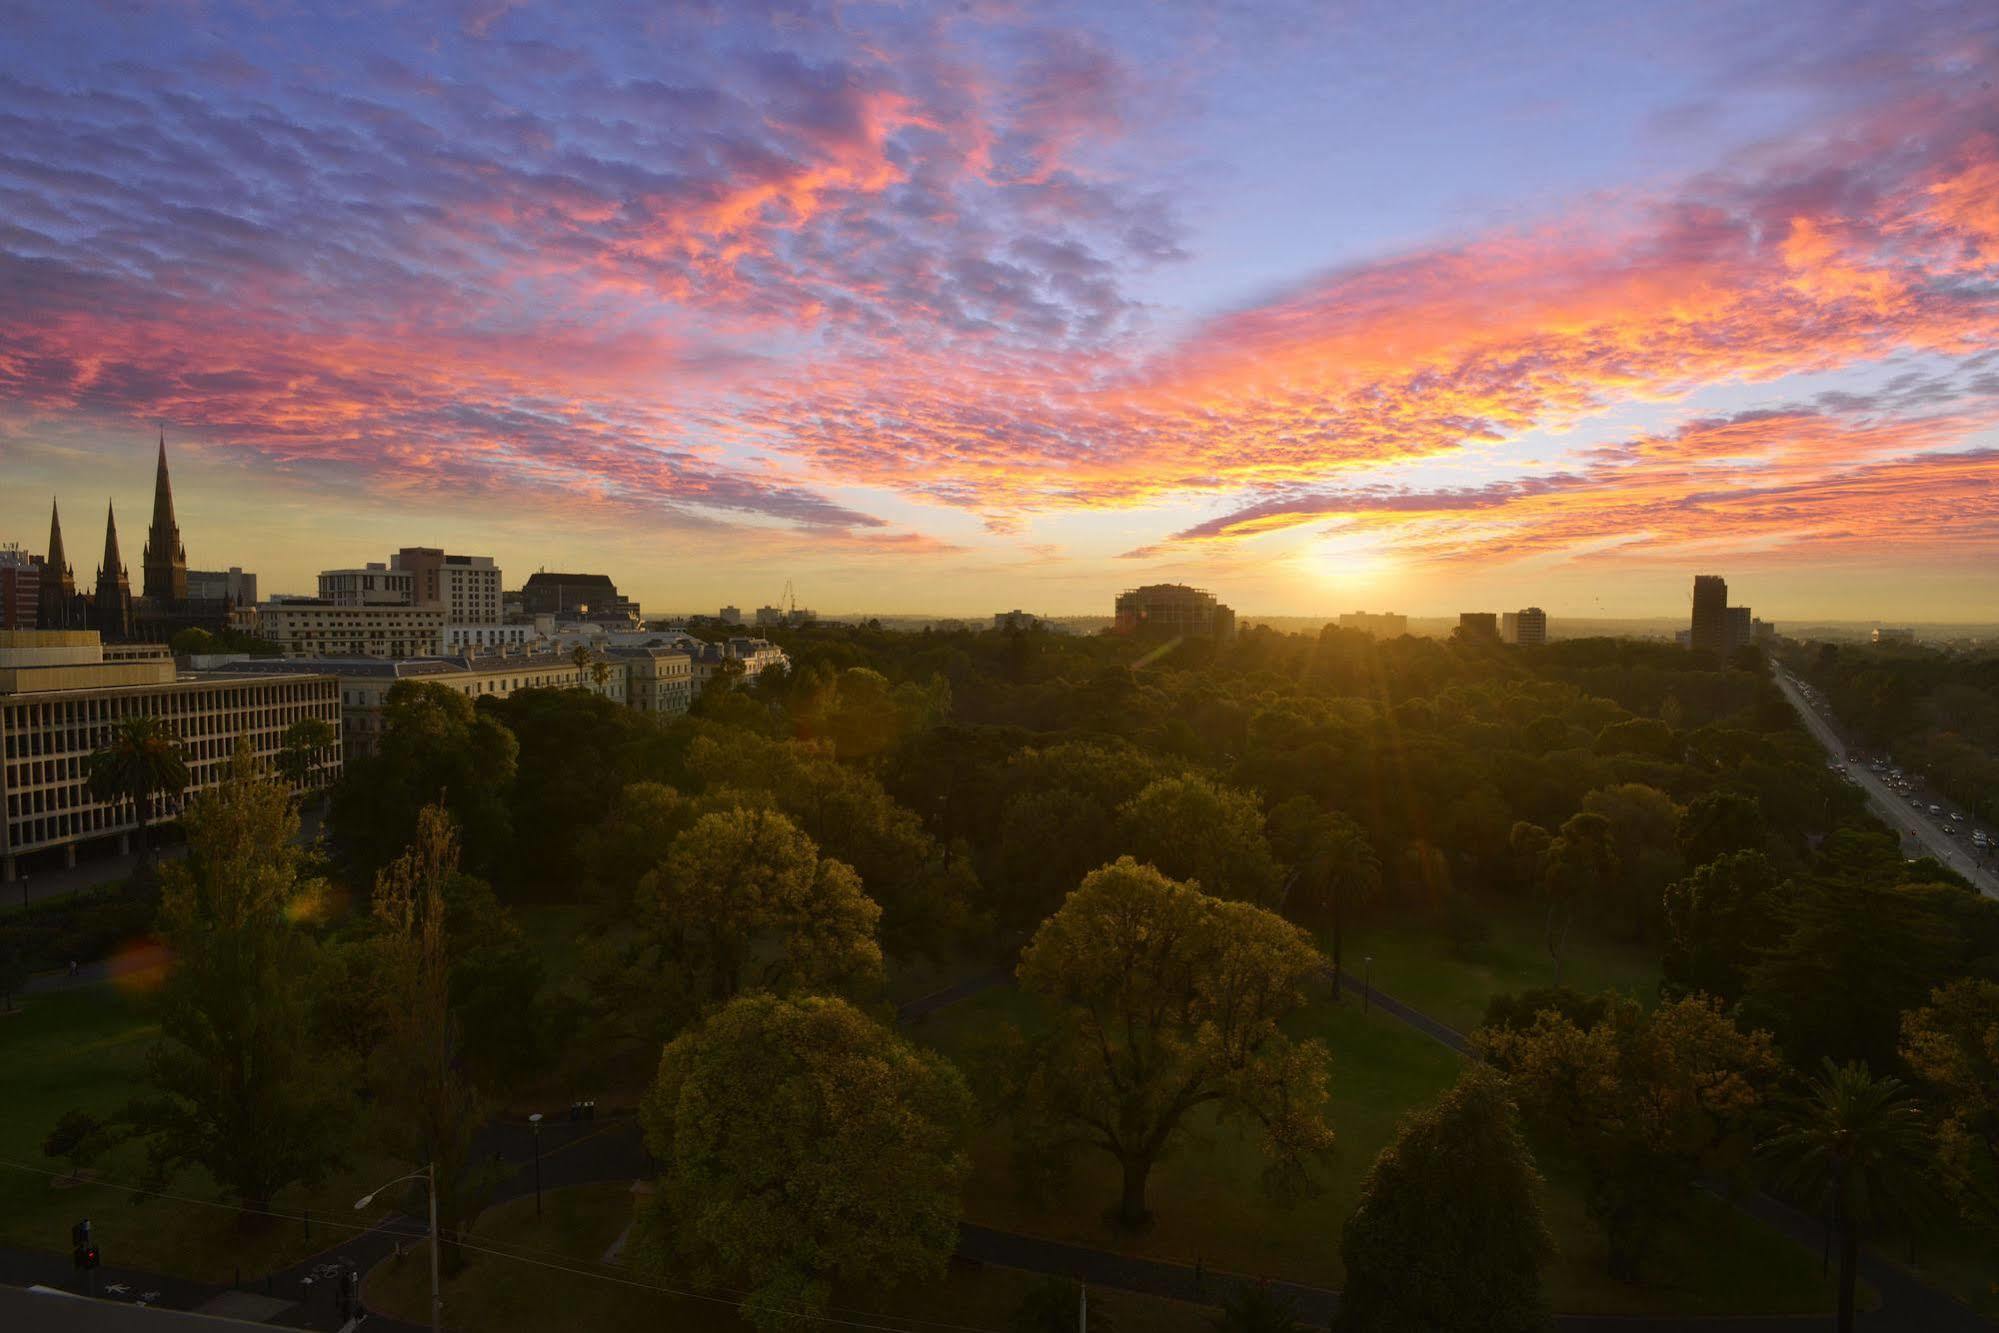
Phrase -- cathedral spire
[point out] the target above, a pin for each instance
(165, 560)
(111, 561)
(111, 613)
(58, 606)
(58, 564)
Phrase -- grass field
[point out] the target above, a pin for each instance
(1208, 1205)
(1421, 966)
(555, 1278)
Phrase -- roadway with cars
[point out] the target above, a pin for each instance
(1921, 835)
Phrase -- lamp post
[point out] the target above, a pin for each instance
(428, 1175)
(535, 1120)
(1366, 984)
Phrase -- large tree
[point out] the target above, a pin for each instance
(1580, 862)
(1333, 865)
(426, 1109)
(1856, 1146)
(1165, 999)
(1952, 1045)
(1448, 1233)
(1720, 920)
(1194, 829)
(239, 1088)
(141, 762)
(1645, 1099)
(803, 1147)
(302, 751)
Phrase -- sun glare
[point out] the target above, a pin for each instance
(1351, 560)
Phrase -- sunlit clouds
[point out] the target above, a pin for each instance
(873, 282)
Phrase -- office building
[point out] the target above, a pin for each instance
(230, 586)
(20, 588)
(317, 627)
(657, 680)
(61, 691)
(730, 615)
(1710, 619)
(1528, 626)
(465, 587)
(1385, 625)
(1012, 620)
(478, 639)
(572, 597)
(1739, 634)
(1172, 610)
(1762, 631)
(371, 585)
(1478, 625)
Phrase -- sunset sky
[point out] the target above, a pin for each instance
(958, 307)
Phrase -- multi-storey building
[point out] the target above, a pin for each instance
(60, 695)
(371, 585)
(465, 587)
(1478, 625)
(1382, 625)
(1173, 610)
(316, 627)
(731, 615)
(1528, 626)
(230, 586)
(1015, 620)
(1740, 631)
(1710, 619)
(20, 588)
(571, 597)
(657, 680)
(477, 639)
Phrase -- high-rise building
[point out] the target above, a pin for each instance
(371, 585)
(165, 559)
(59, 606)
(465, 587)
(1530, 626)
(731, 615)
(1710, 621)
(111, 609)
(1385, 625)
(1762, 630)
(1172, 610)
(1740, 634)
(1478, 625)
(1012, 620)
(20, 587)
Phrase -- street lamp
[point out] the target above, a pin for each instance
(535, 1120)
(1366, 984)
(429, 1175)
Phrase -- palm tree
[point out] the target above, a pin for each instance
(580, 655)
(141, 762)
(1856, 1145)
(600, 672)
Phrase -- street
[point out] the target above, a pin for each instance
(1920, 834)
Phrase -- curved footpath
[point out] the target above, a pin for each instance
(613, 1150)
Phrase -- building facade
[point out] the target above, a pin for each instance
(370, 585)
(1710, 619)
(1172, 610)
(477, 639)
(60, 695)
(230, 586)
(315, 627)
(1528, 626)
(1478, 625)
(1740, 629)
(465, 587)
(20, 588)
(657, 680)
(1015, 620)
(590, 597)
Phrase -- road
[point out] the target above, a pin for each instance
(1920, 834)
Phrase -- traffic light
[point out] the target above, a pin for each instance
(83, 1254)
(86, 1257)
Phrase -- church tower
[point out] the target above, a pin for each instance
(165, 562)
(112, 611)
(59, 607)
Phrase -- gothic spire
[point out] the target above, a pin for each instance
(58, 564)
(165, 559)
(112, 564)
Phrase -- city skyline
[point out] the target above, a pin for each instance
(941, 312)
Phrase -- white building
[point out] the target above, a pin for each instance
(370, 585)
(1527, 627)
(465, 587)
(477, 639)
(316, 627)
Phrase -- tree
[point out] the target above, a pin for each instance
(1644, 1099)
(579, 656)
(79, 1138)
(1194, 829)
(632, 838)
(142, 761)
(744, 902)
(1448, 1233)
(1257, 1307)
(1952, 1045)
(1720, 822)
(803, 1146)
(427, 1111)
(1056, 1305)
(1643, 824)
(1334, 865)
(305, 742)
(1855, 1145)
(239, 1087)
(1719, 921)
(1578, 863)
(1166, 999)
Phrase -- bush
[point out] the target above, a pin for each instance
(81, 927)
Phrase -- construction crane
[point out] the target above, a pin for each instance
(787, 601)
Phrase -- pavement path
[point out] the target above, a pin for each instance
(1920, 833)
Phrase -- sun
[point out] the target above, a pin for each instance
(1350, 560)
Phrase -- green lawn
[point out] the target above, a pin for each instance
(1420, 966)
(497, 1294)
(1207, 1203)
(86, 1048)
